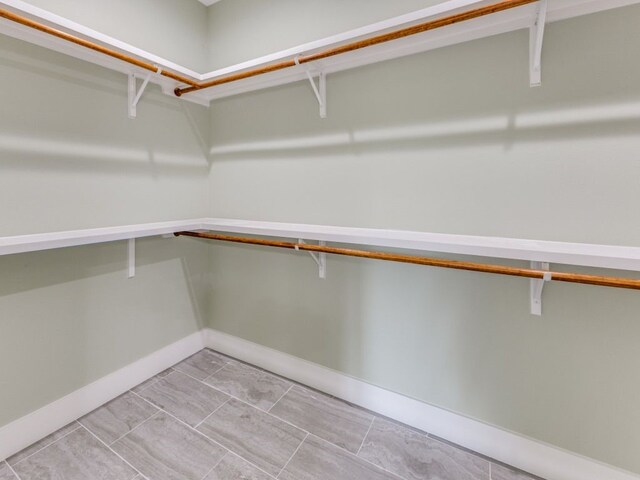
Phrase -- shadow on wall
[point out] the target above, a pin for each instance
(450, 141)
(82, 120)
(464, 96)
(541, 127)
(71, 316)
(40, 270)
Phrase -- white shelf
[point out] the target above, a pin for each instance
(511, 20)
(74, 238)
(20, 32)
(589, 255)
(507, 21)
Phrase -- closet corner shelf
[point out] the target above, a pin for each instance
(540, 254)
(524, 17)
(579, 254)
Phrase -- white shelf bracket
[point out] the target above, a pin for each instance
(319, 258)
(536, 39)
(131, 249)
(320, 90)
(135, 94)
(537, 286)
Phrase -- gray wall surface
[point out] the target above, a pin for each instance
(451, 141)
(241, 30)
(174, 29)
(71, 159)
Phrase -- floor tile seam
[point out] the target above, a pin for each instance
(288, 423)
(394, 475)
(138, 472)
(281, 397)
(227, 450)
(213, 468)
(293, 455)
(13, 470)
(491, 461)
(373, 414)
(178, 370)
(268, 412)
(256, 367)
(134, 428)
(189, 427)
(255, 371)
(197, 380)
(217, 371)
(156, 380)
(78, 425)
(203, 381)
(462, 450)
(364, 439)
(214, 411)
(304, 387)
(200, 381)
(187, 375)
(246, 403)
(263, 411)
(251, 463)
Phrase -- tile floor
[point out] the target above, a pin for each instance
(214, 418)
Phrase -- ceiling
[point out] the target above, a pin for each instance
(209, 2)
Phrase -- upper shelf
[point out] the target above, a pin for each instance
(507, 21)
(582, 254)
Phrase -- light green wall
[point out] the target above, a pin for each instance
(69, 317)
(451, 141)
(65, 134)
(207, 38)
(241, 30)
(71, 159)
(174, 29)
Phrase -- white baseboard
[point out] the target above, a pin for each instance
(29, 429)
(530, 455)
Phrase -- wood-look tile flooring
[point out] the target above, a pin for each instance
(214, 418)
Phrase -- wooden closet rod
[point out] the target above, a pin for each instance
(194, 85)
(350, 47)
(14, 17)
(603, 281)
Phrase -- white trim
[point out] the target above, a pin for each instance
(560, 10)
(73, 238)
(35, 37)
(499, 23)
(57, 20)
(582, 254)
(513, 449)
(29, 429)
(527, 454)
(519, 18)
(448, 7)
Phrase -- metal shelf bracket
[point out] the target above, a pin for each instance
(319, 90)
(319, 258)
(537, 286)
(536, 39)
(134, 94)
(131, 250)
